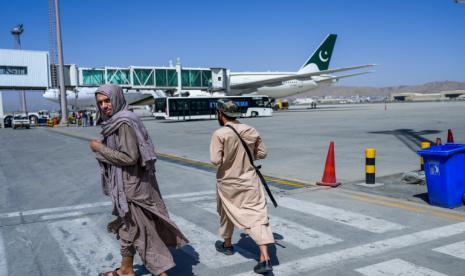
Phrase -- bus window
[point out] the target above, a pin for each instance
(267, 102)
(160, 105)
(200, 107)
(261, 102)
(258, 103)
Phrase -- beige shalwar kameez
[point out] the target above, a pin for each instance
(147, 228)
(240, 195)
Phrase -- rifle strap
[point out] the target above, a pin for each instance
(257, 168)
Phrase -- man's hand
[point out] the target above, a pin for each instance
(94, 144)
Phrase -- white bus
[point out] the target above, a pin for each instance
(193, 108)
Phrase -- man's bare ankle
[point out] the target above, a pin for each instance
(126, 271)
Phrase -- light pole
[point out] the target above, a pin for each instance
(61, 71)
(16, 32)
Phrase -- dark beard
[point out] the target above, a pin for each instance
(220, 122)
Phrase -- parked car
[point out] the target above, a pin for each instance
(20, 120)
(39, 118)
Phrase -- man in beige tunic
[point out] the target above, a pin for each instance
(127, 159)
(240, 195)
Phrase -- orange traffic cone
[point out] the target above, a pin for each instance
(438, 141)
(450, 136)
(329, 175)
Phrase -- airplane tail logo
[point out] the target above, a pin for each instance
(320, 59)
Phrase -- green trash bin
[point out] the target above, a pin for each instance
(445, 174)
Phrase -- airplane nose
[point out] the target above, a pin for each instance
(46, 95)
(49, 95)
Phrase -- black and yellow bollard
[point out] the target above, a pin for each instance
(424, 145)
(370, 167)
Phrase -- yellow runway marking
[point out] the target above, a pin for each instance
(408, 206)
(288, 182)
(203, 164)
(284, 182)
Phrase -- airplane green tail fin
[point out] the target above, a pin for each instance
(320, 59)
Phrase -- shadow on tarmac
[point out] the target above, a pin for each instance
(184, 263)
(422, 196)
(411, 138)
(247, 243)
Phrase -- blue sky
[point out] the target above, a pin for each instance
(413, 41)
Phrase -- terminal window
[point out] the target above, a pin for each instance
(13, 70)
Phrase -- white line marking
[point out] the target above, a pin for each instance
(88, 249)
(63, 215)
(397, 267)
(299, 235)
(89, 205)
(203, 243)
(356, 220)
(201, 193)
(456, 249)
(55, 210)
(198, 198)
(3, 265)
(302, 266)
(294, 233)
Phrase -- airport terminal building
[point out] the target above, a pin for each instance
(422, 97)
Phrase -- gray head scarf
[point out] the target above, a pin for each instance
(112, 180)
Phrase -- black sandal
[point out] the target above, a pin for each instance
(219, 245)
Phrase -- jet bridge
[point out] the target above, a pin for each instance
(30, 70)
(162, 78)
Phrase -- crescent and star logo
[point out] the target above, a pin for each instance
(321, 57)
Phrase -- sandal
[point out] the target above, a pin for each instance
(219, 245)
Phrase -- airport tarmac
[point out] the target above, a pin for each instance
(53, 214)
(298, 139)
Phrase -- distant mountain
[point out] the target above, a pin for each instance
(345, 91)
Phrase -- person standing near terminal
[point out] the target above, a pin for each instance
(91, 118)
(78, 118)
(127, 160)
(85, 118)
(241, 198)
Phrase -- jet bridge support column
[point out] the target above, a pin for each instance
(2, 124)
(179, 71)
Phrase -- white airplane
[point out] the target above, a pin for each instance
(84, 97)
(313, 73)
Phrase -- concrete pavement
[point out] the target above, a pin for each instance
(53, 214)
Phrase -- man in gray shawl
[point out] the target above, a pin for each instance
(127, 160)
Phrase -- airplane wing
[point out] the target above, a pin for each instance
(330, 79)
(145, 101)
(278, 81)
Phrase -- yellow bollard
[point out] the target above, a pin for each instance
(370, 167)
(424, 145)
